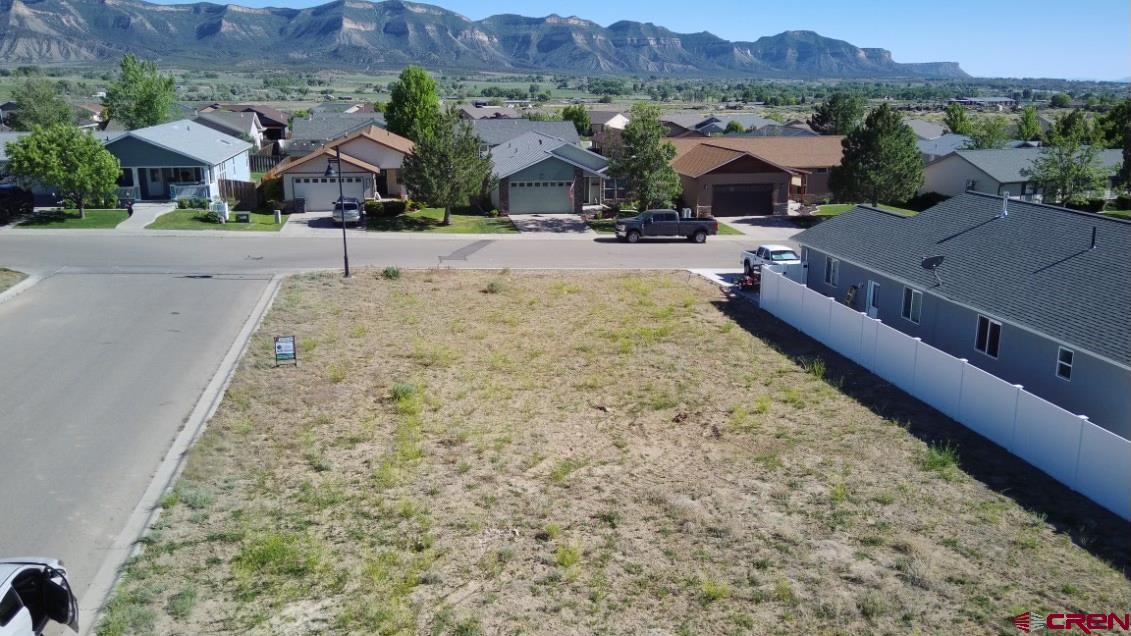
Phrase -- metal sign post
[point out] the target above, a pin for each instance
(286, 350)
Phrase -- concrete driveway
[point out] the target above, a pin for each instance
(570, 224)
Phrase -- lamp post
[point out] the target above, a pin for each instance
(334, 169)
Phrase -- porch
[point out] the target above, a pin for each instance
(164, 183)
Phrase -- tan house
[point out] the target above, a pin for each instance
(738, 176)
(372, 159)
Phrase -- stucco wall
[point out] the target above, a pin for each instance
(373, 153)
(949, 175)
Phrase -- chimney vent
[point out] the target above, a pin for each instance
(1093, 238)
(1004, 205)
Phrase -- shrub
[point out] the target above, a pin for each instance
(182, 204)
(271, 190)
(494, 287)
(1123, 202)
(374, 208)
(208, 216)
(391, 273)
(492, 213)
(15, 202)
(414, 206)
(1087, 205)
(393, 208)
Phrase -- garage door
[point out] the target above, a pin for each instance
(320, 192)
(540, 196)
(741, 199)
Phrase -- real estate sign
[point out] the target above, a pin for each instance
(285, 349)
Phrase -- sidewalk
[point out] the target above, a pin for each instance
(144, 214)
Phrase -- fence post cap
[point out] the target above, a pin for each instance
(1018, 386)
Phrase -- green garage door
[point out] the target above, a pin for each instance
(741, 199)
(540, 196)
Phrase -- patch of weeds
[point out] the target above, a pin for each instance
(493, 287)
(391, 273)
(336, 373)
(195, 497)
(872, 605)
(609, 517)
(468, 627)
(170, 499)
(943, 460)
(794, 397)
(493, 562)
(127, 613)
(562, 470)
(838, 492)
(815, 367)
(762, 404)
(783, 593)
(180, 604)
(740, 419)
(567, 556)
(358, 331)
(884, 498)
(713, 590)
(318, 461)
(268, 559)
(1028, 538)
(432, 354)
(1069, 589)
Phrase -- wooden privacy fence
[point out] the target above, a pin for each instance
(243, 192)
(263, 163)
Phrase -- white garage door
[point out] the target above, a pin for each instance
(320, 192)
(540, 196)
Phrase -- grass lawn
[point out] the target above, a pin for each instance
(192, 220)
(429, 220)
(9, 277)
(834, 209)
(69, 220)
(505, 453)
(1120, 214)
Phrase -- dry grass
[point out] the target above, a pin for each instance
(9, 278)
(470, 453)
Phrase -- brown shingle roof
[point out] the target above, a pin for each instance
(378, 135)
(291, 163)
(791, 152)
(702, 159)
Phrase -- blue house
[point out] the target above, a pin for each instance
(178, 159)
(1034, 294)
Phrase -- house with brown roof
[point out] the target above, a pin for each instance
(738, 176)
(273, 120)
(372, 159)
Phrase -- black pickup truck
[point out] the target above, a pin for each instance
(665, 223)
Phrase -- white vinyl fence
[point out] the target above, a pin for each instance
(1088, 459)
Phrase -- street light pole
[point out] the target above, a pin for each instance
(334, 168)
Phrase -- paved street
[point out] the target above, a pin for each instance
(106, 356)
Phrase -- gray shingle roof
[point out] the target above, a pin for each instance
(534, 147)
(232, 122)
(322, 127)
(926, 129)
(192, 140)
(779, 130)
(1007, 166)
(1032, 268)
(944, 145)
(497, 131)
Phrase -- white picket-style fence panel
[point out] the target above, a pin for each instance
(1087, 458)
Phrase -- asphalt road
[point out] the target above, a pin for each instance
(98, 373)
(102, 361)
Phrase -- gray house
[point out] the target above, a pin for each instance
(1034, 294)
(995, 172)
(178, 159)
(493, 132)
(540, 173)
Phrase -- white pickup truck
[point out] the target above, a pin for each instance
(753, 260)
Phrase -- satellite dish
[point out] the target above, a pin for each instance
(931, 263)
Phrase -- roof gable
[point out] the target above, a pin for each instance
(533, 148)
(192, 140)
(1034, 267)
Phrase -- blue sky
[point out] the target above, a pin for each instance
(1076, 39)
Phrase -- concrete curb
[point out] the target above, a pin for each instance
(147, 511)
(20, 287)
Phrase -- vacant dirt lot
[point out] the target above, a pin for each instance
(475, 453)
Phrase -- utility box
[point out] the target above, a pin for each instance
(243, 217)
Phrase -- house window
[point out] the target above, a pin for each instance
(912, 304)
(988, 340)
(126, 179)
(832, 271)
(1064, 358)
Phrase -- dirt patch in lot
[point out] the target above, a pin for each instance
(475, 453)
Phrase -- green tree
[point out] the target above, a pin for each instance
(141, 96)
(1060, 100)
(1029, 126)
(578, 114)
(445, 168)
(988, 132)
(838, 115)
(1069, 167)
(413, 110)
(38, 104)
(1124, 176)
(63, 156)
(956, 119)
(881, 161)
(734, 126)
(645, 161)
(1113, 123)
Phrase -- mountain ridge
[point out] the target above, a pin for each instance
(392, 33)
